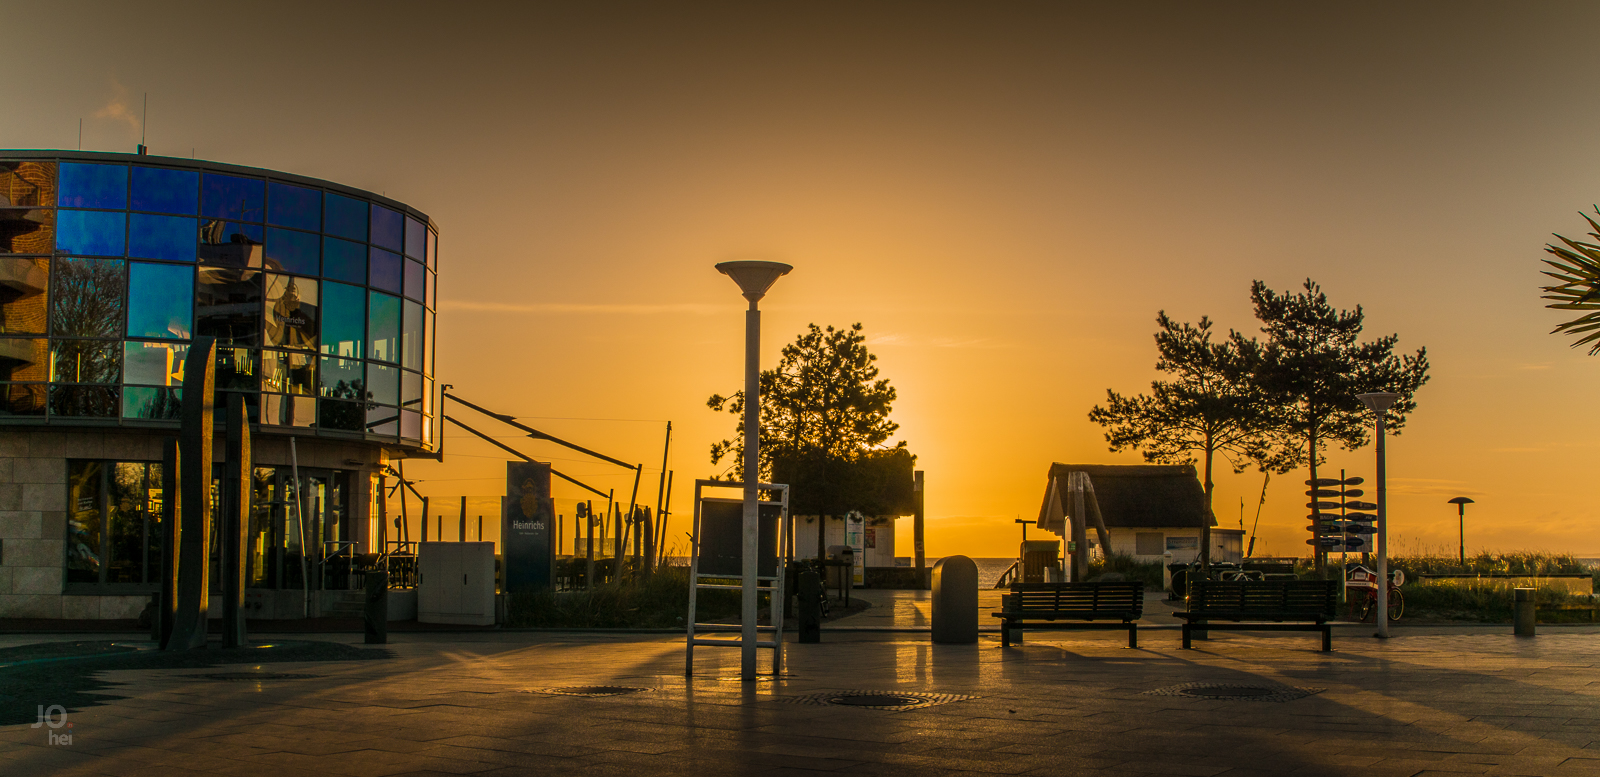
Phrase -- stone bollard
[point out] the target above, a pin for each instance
(809, 588)
(955, 601)
(376, 613)
(1523, 612)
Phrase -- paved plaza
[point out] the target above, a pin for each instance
(1431, 701)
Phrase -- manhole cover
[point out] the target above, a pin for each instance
(592, 690)
(877, 700)
(253, 676)
(1230, 691)
(882, 701)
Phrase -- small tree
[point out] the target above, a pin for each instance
(1579, 287)
(1313, 367)
(824, 418)
(1212, 405)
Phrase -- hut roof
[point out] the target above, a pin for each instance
(1138, 495)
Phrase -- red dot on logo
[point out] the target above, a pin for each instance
(69, 725)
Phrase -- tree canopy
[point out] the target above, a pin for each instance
(1579, 287)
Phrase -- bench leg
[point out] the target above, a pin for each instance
(1133, 635)
(1186, 644)
(1005, 633)
(1327, 638)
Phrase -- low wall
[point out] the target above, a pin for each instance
(904, 578)
(1574, 583)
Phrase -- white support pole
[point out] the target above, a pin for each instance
(752, 506)
(1383, 536)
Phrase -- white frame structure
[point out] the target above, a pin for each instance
(774, 585)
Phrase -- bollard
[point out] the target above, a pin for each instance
(376, 613)
(809, 589)
(955, 601)
(1523, 612)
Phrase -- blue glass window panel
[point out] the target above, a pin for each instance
(416, 281)
(344, 320)
(294, 206)
(292, 251)
(93, 186)
(226, 230)
(388, 228)
(343, 260)
(411, 336)
(383, 326)
(160, 300)
(383, 383)
(386, 271)
(344, 217)
(162, 237)
(94, 233)
(166, 191)
(416, 239)
(233, 198)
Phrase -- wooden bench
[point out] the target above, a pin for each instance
(1116, 605)
(1261, 605)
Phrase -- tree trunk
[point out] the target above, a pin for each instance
(1316, 515)
(1205, 520)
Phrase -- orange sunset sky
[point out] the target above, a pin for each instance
(1004, 194)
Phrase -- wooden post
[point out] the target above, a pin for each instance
(918, 527)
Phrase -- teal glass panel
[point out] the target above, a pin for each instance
(343, 260)
(343, 379)
(294, 206)
(91, 232)
(411, 336)
(166, 191)
(416, 281)
(344, 319)
(150, 403)
(388, 228)
(385, 270)
(291, 251)
(87, 298)
(383, 384)
(160, 300)
(416, 239)
(344, 217)
(161, 237)
(93, 186)
(383, 327)
(232, 198)
(153, 364)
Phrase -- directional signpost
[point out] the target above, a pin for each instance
(1333, 526)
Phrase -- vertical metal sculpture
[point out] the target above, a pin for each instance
(194, 489)
(236, 483)
(171, 535)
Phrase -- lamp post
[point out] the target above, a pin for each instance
(754, 279)
(1379, 403)
(1461, 503)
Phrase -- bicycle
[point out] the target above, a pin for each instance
(1368, 599)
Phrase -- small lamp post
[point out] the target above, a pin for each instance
(754, 279)
(1379, 403)
(1461, 503)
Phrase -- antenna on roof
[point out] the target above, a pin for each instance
(144, 117)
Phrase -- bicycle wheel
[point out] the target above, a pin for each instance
(1369, 603)
(1397, 604)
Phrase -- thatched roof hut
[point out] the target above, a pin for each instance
(1147, 508)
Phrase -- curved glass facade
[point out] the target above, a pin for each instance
(321, 297)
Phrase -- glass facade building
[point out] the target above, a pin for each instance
(321, 297)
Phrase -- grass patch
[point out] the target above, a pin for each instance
(1120, 567)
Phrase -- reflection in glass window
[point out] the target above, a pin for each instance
(27, 230)
(344, 319)
(84, 401)
(228, 244)
(411, 389)
(388, 228)
(125, 523)
(288, 410)
(161, 237)
(433, 290)
(228, 305)
(166, 191)
(84, 361)
(294, 206)
(231, 198)
(410, 424)
(344, 217)
(153, 364)
(292, 251)
(24, 359)
(433, 250)
(288, 372)
(84, 499)
(160, 300)
(416, 239)
(343, 260)
(236, 370)
(24, 284)
(416, 281)
(383, 327)
(27, 184)
(341, 414)
(383, 420)
(427, 341)
(385, 270)
(152, 403)
(427, 396)
(88, 297)
(411, 336)
(92, 232)
(292, 315)
(21, 399)
(383, 384)
(94, 186)
(343, 379)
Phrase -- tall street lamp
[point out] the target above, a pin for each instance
(1379, 403)
(754, 279)
(1461, 503)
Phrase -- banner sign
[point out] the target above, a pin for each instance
(527, 514)
(721, 539)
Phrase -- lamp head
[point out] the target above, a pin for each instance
(1460, 500)
(754, 277)
(1379, 401)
